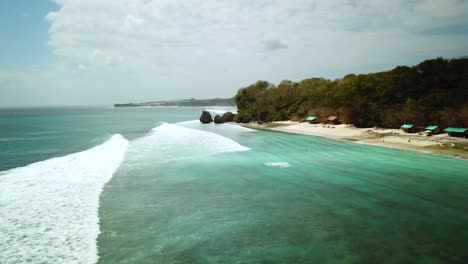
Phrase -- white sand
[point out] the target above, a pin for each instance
(330, 131)
(392, 138)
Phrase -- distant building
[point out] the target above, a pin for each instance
(432, 130)
(311, 119)
(333, 120)
(408, 128)
(457, 131)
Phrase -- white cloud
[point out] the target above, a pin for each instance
(132, 23)
(145, 34)
(201, 48)
(231, 51)
(275, 44)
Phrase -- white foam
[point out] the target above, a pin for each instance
(169, 142)
(278, 164)
(25, 138)
(196, 124)
(238, 127)
(221, 110)
(189, 122)
(49, 209)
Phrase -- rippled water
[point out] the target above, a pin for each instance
(192, 193)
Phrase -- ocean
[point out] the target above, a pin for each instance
(153, 185)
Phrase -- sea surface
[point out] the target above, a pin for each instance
(153, 185)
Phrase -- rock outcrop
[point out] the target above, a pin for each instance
(205, 117)
(218, 119)
(228, 117)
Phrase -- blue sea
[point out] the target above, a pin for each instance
(153, 185)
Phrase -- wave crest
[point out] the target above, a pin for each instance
(50, 208)
(221, 110)
(169, 142)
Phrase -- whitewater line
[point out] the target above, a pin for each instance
(49, 209)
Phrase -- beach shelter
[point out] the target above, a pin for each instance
(408, 128)
(333, 120)
(311, 119)
(432, 130)
(457, 131)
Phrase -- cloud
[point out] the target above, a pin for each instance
(140, 35)
(275, 44)
(132, 22)
(231, 51)
(82, 67)
(172, 48)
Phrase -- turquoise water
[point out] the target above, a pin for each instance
(28, 135)
(191, 193)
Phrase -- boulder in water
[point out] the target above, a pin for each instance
(218, 119)
(205, 117)
(228, 117)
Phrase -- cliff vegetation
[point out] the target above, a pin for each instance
(432, 92)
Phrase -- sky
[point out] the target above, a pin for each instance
(99, 52)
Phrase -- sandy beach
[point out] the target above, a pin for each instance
(390, 138)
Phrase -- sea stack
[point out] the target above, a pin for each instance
(205, 117)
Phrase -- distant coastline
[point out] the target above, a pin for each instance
(184, 102)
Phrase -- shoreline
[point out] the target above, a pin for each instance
(440, 144)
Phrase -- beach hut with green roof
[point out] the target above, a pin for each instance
(432, 130)
(457, 131)
(311, 119)
(408, 128)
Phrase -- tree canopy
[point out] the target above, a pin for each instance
(432, 92)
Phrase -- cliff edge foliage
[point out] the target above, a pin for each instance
(432, 92)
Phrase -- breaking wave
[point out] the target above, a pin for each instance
(221, 110)
(49, 209)
(226, 127)
(169, 142)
